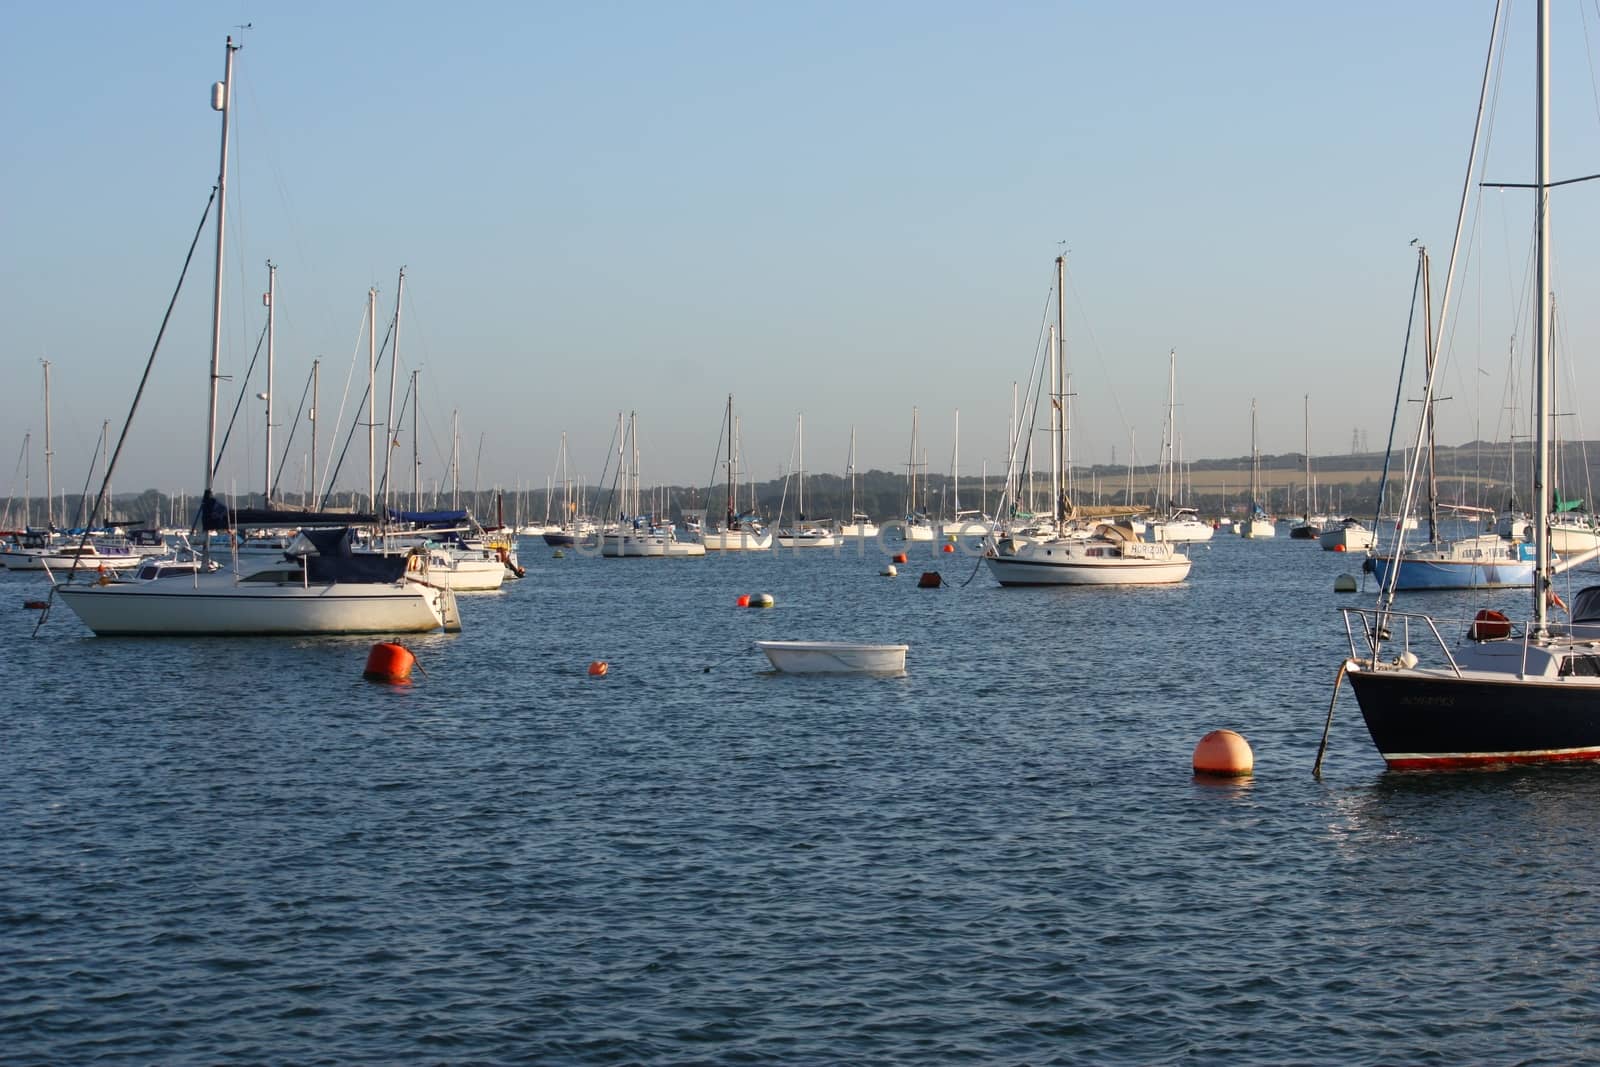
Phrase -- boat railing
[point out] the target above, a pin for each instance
(1377, 627)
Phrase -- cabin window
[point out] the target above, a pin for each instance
(1580, 667)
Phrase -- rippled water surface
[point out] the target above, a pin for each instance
(233, 851)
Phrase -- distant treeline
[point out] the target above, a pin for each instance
(1477, 474)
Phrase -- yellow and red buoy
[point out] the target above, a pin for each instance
(1224, 754)
(389, 662)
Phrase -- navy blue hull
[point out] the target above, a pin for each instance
(1430, 722)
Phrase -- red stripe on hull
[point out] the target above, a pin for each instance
(1487, 761)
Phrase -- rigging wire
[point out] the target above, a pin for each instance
(144, 380)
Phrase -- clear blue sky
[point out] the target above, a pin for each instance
(837, 208)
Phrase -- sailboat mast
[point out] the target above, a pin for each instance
(1172, 426)
(105, 472)
(1310, 504)
(272, 308)
(372, 399)
(851, 474)
(731, 514)
(1059, 450)
(955, 468)
(416, 461)
(455, 458)
(1429, 354)
(394, 371)
(316, 478)
(1055, 436)
(49, 455)
(221, 100)
(1541, 343)
(911, 469)
(800, 454)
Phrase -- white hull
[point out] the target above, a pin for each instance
(736, 541)
(1257, 528)
(218, 604)
(1569, 539)
(1186, 531)
(810, 539)
(916, 532)
(648, 546)
(23, 559)
(834, 657)
(954, 531)
(1087, 561)
(1351, 538)
(859, 530)
(464, 575)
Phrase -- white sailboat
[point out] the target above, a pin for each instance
(916, 526)
(964, 522)
(860, 525)
(1181, 525)
(806, 532)
(324, 589)
(738, 531)
(1080, 553)
(1257, 524)
(634, 534)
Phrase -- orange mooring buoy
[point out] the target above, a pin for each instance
(901, 557)
(743, 601)
(598, 668)
(930, 580)
(1225, 754)
(1339, 548)
(389, 662)
(949, 547)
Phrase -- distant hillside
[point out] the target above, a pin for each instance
(1477, 474)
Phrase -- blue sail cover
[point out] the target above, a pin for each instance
(336, 560)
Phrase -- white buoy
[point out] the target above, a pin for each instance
(761, 600)
(1345, 583)
(889, 572)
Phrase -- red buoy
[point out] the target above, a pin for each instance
(598, 668)
(949, 547)
(743, 601)
(901, 557)
(1225, 754)
(389, 662)
(930, 580)
(1338, 548)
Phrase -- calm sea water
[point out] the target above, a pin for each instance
(239, 851)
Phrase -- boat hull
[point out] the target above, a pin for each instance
(1086, 562)
(736, 541)
(1424, 720)
(215, 605)
(834, 657)
(1178, 533)
(24, 560)
(1417, 574)
(1349, 538)
(1569, 540)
